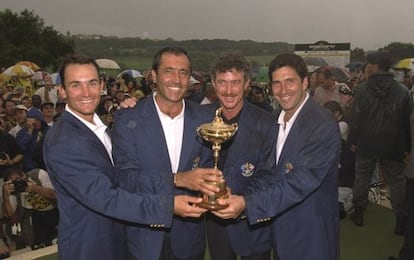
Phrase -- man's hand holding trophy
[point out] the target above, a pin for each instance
(216, 132)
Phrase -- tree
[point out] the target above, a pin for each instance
(358, 54)
(24, 36)
(399, 50)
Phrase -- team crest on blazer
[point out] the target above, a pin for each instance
(247, 169)
(288, 167)
(196, 163)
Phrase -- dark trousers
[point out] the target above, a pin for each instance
(407, 251)
(44, 225)
(393, 174)
(219, 242)
(167, 253)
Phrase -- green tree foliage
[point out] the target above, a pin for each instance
(358, 54)
(201, 51)
(24, 36)
(399, 50)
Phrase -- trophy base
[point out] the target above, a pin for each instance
(211, 206)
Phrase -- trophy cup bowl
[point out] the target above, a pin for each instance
(216, 132)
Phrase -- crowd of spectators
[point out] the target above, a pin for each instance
(29, 214)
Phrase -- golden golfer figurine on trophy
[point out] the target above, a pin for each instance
(216, 132)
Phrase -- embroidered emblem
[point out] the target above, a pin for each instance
(196, 163)
(288, 167)
(247, 169)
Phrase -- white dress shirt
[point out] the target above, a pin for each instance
(173, 131)
(284, 128)
(98, 128)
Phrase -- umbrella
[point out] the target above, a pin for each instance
(407, 63)
(194, 80)
(107, 64)
(38, 75)
(132, 73)
(315, 61)
(18, 71)
(56, 78)
(29, 64)
(339, 74)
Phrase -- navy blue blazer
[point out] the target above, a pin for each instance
(142, 159)
(303, 192)
(90, 203)
(252, 148)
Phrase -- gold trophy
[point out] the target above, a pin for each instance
(216, 132)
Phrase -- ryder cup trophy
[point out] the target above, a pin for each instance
(216, 132)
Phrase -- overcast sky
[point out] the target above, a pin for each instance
(367, 24)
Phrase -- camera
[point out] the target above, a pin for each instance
(20, 185)
(256, 90)
(3, 156)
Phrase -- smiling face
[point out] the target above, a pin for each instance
(82, 89)
(230, 88)
(172, 79)
(289, 89)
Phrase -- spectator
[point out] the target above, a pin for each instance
(30, 139)
(36, 102)
(407, 250)
(347, 161)
(29, 203)
(47, 92)
(380, 131)
(20, 113)
(327, 88)
(258, 97)
(8, 116)
(210, 95)
(48, 112)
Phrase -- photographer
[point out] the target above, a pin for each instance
(10, 154)
(257, 96)
(29, 208)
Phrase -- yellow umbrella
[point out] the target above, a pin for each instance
(407, 63)
(29, 64)
(18, 71)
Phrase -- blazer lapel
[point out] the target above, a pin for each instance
(189, 143)
(295, 134)
(153, 129)
(85, 133)
(243, 134)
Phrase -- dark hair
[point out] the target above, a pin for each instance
(288, 60)
(230, 62)
(381, 58)
(333, 106)
(75, 59)
(8, 100)
(13, 170)
(173, 50)
(326, 72)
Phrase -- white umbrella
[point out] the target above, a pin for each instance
(107, 64)
(132, 73)
(56, 78)
(193, 80)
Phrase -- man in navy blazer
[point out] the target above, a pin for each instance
(157, 139)
(240, 158)
(78, 158)
(302, 192)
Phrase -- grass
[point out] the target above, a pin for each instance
(374, 241)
